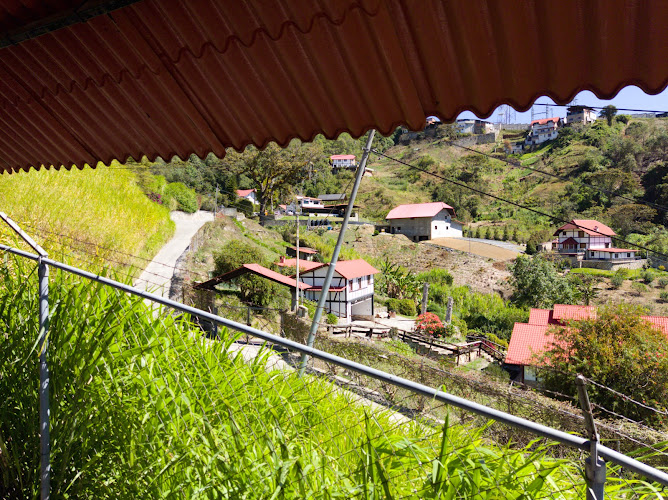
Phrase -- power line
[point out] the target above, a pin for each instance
(518, 205)
(562, 178)
(600, 107)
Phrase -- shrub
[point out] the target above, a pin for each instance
(638, 288)
(331, 319)
(664, 296)
(407, 307)
(429, 324)
(663, 282)
(617, 280)
(185, 198)
(647, 276)
(661, 268)
(436, 275)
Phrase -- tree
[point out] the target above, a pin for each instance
(608, 113)
(586, 287)
(618, 349)
(536, 283)
(272, 171)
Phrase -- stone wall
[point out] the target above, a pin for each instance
(610, 266)
(473, 140)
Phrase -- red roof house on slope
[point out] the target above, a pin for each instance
(424, 221)
(543, 130)
(342, 162)
(247, 194)
(587, 239)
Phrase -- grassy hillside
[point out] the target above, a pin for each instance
(83, 209)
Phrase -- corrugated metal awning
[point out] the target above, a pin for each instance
(167, 77)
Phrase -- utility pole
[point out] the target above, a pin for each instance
(425, 297)
(297, 259)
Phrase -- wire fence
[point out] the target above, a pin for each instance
(143, 403)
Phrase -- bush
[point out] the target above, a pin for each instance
(638, 288)
(663, 282)
(617, 280)
(436, 275)
(664, 296)
(407, 307)
(185, 198)
(647, 276)
(331, 319)
(429, 324)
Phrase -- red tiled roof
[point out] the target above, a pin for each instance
(350, 269)
(305, 265)
(342, 157)
(570, 241)
(242, 193)
(169, 77)
(544, 121)
(541, 317)
(527, 342)
(589, 226)
(563, 312)
(331, 289)
(254, 269)
(418, 210)
(660, 322)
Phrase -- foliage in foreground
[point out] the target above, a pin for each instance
(143, 407)
(620, 350)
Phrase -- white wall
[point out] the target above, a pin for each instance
(424, 228)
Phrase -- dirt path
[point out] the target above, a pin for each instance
(157, 277)
(475, 247)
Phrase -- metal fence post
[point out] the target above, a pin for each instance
(44, 411)
(594, 466)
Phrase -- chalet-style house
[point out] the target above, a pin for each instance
(580, 114)
(529, 341)
(351, 292)
(424, 221)
(248, 194)
(343, 162)
(350, 295)
(586, 239)
(543, 130)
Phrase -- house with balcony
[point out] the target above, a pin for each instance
(590, 240)
(342, 162)
(543, 130)
(424, 221)
(580, 114)
(473, 126)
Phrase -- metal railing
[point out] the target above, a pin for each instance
(594, 466)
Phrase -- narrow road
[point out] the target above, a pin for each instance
(157, 277)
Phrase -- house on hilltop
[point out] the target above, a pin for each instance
(543, 130)
(587, 239)
(580, 114)
(345, 162)
(424, 221)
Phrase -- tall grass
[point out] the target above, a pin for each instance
(101, 206)
(142, 406)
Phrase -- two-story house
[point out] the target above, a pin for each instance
(424, 221)
(543, 130)
(587, 239)
(580, 114)
(351, 291)
(248, 194)
(343, 162)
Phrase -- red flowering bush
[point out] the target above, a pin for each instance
(429, 324)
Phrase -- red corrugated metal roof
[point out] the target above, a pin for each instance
(168, 77)
(563, 312)
(342, 157)
(540, 317)
(528, 342)
(253, 269)
(305, 250)
(304, 265)
(418, 210)
(351, 269)
(589, 226)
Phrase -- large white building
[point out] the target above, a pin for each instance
(587, 239)
(342, 162)
(543, 130)
(580, 114)
(351, 291)
(424, 221)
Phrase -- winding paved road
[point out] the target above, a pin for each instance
(157, 277)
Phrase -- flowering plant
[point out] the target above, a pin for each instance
(429, 324)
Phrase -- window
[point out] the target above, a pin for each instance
(583, 245)
(581, 234)
(435, 228)
(628, 254)
(616, 255)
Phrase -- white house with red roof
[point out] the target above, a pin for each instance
(587, 239)
(343, 162)
(351, 291)
(543, 130)
(424, 221)
(248, 194)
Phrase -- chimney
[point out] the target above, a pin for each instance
(282, 259)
